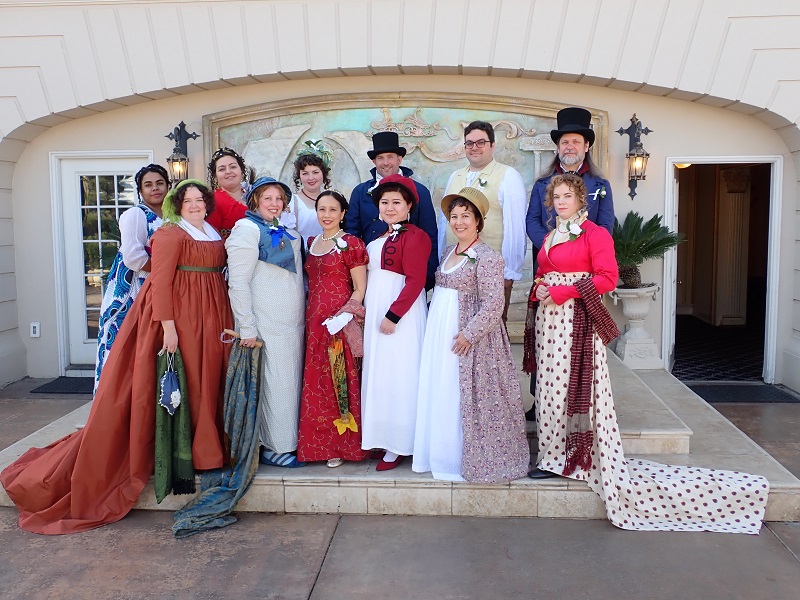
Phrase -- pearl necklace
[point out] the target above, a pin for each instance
(324, 239)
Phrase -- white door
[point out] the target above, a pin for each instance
(94, 191)
(671, 309)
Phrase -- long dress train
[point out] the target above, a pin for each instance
(94, 476)
(638, 494)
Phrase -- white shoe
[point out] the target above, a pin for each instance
(335, 462)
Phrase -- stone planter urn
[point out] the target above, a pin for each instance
(636, 347)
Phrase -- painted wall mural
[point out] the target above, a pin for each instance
(430, 126)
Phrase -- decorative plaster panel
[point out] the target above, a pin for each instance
(431, 127)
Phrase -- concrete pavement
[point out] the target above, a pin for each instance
(319, 557)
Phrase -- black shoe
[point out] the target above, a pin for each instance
(537, 473)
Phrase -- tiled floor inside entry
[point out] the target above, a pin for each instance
(707, 353)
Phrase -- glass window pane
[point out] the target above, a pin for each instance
(107, 189)
(104, 279)
(126, 190)
(108, 253)
(94, 293)
(108, 224)
(101, 236)
(90, 224)
(92, 324)
(91, 258)
(88, 190)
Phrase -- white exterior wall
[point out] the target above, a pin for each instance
(717, 77)
(675, 124)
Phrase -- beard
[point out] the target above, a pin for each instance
(569, 160)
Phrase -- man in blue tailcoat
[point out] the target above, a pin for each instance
(573, 137)
(362, 217)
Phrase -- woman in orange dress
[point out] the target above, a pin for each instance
(94, 476)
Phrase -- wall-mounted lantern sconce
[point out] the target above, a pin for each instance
(178, 161)
(636, 156)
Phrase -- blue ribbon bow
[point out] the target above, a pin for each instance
(270, 247)
(277, 232)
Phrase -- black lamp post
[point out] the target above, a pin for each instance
(178, 161)
(636, 156)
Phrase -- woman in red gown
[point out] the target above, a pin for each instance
(337, 278)
(230, 179)
(94, 476)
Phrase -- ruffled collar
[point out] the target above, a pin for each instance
(567, 230)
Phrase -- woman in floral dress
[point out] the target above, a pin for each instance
(132, 263)
(470, 420)
(330, 410)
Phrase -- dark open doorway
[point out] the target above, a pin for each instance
(722, 272)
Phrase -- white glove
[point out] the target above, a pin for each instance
(336, 324)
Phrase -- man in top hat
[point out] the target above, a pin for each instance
(504, 188)
(362, 219)
(573, 137)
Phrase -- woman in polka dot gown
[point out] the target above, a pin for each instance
(638, 494)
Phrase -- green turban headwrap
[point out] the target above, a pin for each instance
(168, 210)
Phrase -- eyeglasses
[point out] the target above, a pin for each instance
(478, 144)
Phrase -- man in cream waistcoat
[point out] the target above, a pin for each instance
(504, 229)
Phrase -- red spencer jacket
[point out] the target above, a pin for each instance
(407, 254)
(592, 252)
(226, 212)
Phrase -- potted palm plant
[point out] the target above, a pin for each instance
(635, 241)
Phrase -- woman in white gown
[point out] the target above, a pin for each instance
(266, 291)
(394, 325)
(470, 420)
(311, 171)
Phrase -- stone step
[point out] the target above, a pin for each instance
(357, 488)
(647, 425)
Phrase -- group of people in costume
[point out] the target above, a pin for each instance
(355, 363)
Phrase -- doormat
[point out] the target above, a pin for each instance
(66, 385)
(742, 392)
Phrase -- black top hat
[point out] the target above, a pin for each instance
(574, 120)
(385, 141)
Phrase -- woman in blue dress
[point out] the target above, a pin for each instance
(132, 263)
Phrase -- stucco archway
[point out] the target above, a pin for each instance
(66, 61)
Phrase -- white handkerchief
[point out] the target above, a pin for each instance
(336, 324)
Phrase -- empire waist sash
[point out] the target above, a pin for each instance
(200, 269)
